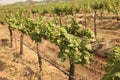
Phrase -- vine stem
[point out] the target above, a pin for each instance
(72, 71)
(39, 57)
(39, 60)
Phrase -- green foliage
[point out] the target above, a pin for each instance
(67, 39)
(85, 48)
(34, 29)
(35, 10)
(109, 5)
(16, 20)
(102, 4)
(58, 10)
(11, 21)
(77, 30)
(113, 65)
(68, 45)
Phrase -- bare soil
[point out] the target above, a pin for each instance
(16, 67)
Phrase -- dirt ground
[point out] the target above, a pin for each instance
(25, 67)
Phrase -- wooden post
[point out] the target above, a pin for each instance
(11, 37)
(21, 43)
(95, 30)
